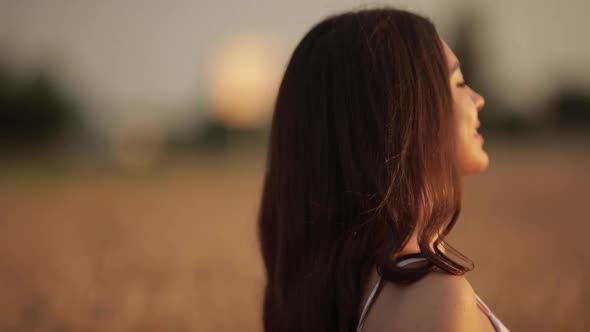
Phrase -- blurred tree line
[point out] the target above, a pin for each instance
(36, 115)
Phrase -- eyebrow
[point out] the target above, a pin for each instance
(454, 67)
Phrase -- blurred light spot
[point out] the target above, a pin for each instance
(243, 78)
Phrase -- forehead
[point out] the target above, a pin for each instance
(449, 54)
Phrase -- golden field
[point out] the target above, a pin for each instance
(174, 248)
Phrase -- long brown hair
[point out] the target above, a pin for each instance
(361, 154)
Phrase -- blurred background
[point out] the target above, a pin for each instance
(132, 146)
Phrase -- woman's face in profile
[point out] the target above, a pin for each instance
(466, 105)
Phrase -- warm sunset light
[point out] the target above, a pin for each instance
(242, 81)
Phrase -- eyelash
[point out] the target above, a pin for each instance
(462, 84)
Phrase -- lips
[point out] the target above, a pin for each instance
(477, 134)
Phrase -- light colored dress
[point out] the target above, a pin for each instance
(499, 327)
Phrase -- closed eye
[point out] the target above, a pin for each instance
(462, 84)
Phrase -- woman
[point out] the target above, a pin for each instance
(372, 131)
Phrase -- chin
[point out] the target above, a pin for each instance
(478, 163)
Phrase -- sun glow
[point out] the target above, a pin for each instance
(243, 78)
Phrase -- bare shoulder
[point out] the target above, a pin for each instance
(450, 291)
(437, 302)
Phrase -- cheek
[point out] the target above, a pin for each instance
(463, 148)
(462, 122)
(462, 111)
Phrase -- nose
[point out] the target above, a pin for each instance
(479, 101)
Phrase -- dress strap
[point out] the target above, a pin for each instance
(498, 325)
(408, 259)
(368, 304)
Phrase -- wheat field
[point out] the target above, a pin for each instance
(175, 248)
